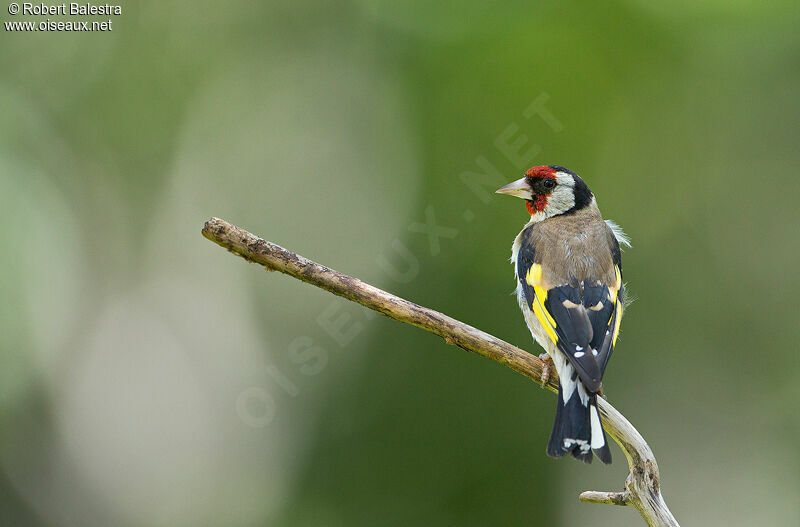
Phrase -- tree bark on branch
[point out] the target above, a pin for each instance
(643, 485)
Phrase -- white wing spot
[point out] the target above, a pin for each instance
(579, 354)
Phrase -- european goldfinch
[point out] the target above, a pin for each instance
(569, 286)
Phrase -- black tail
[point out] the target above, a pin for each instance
(573, 429)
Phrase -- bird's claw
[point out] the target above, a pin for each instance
(548, 363)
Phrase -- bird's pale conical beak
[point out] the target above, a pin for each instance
(518, 188)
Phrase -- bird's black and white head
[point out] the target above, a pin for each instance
(550, 190)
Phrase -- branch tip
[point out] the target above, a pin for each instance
(608, 498)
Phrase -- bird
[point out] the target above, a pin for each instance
(568, 267)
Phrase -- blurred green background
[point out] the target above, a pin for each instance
(147, 378)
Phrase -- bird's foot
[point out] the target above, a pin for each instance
(548, 364)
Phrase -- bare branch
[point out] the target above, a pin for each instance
(609, 498)
(643, 485)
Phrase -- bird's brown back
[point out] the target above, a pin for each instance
(573, 248)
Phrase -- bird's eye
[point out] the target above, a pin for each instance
(549, 183)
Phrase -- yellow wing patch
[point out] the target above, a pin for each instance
(618, 309)
(612, 295)
(534, 279)
(534, 276)
(614, 290)
(544, 318)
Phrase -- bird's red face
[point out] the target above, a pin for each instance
(549, 191)
(535, 188)
(542, 180)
